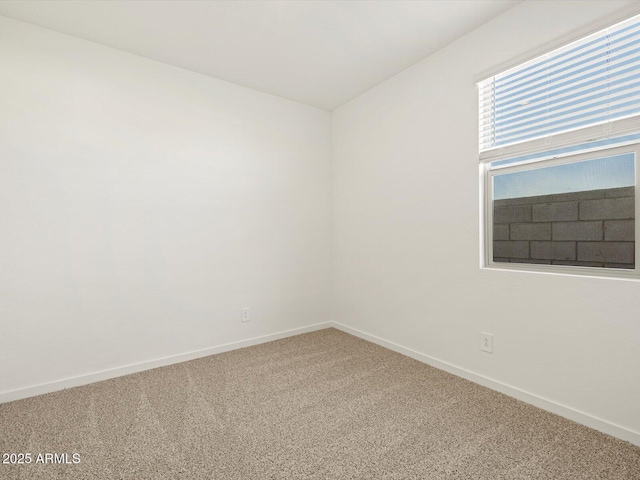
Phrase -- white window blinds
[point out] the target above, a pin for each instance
(592, 81)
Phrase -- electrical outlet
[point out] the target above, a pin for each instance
(486, 342)
(245, 314)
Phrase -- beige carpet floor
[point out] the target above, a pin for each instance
(322, 405)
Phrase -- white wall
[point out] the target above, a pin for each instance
(406, 238)
(141, 206)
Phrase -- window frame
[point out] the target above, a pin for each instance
(487, 174)
(616, 134)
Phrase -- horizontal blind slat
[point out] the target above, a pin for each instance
(563, 52)
(500, 140)
(593, 81)
(607, 48)
(607, 67)
(613, 75)
(630, 83)
(604, 103)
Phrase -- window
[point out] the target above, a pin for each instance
(559, 147)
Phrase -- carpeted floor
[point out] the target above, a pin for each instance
(323, 405)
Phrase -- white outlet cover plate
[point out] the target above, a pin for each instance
(486, 342)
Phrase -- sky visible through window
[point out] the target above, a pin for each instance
(607, 172)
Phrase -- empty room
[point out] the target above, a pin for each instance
(323, 239)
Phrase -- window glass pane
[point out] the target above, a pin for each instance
(580, 213)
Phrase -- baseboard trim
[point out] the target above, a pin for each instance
(525, 396)
(32, 391)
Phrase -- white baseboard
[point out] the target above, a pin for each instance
(527, 397)
(62, 384)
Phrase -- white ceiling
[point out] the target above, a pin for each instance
(319, 52)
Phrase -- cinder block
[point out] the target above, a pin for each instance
(577, 231)
(620, 192)
(503, 249)
(501, 203)
(500, 260)
(531, 200)
(530, 231)
(555, 212)
(501, 232)
(553, 250)
(619, 265)
(584, 195)
(619, 230)
(512, 214)
(576, 263)
(608, 252)
(534, 261)
(607, 209)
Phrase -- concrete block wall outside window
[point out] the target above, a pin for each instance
(593, 228)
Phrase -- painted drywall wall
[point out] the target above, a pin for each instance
(406, 249)
(141, 206)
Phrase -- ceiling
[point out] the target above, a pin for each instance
(321, 53)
